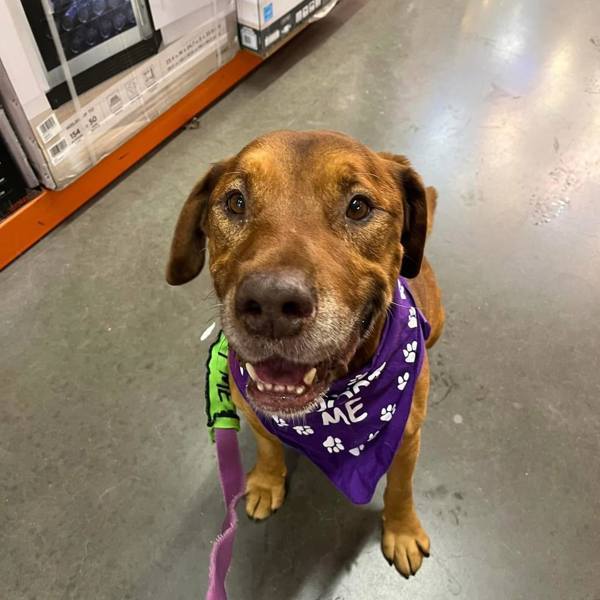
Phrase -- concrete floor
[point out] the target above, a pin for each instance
(108, 487)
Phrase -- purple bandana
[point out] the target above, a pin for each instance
(354, 434)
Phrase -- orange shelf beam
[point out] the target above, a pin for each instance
(34, 220)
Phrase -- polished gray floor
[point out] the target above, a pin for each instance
(108, 487)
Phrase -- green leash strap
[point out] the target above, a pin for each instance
(220, 409)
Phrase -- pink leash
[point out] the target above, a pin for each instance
(231, 474)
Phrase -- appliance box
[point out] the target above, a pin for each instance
(78, 134)
(264, 25)
(197, 11)
(15, 149)
(166, 12)
(96, 38)
(12, 186)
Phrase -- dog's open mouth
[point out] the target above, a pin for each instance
(288, 382)
(280, 386)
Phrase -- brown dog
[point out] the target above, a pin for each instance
(307, 233)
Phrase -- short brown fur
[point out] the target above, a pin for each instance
(298, 182)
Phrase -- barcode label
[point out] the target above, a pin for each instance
(49, 128)
(57, 152)
(249, 38)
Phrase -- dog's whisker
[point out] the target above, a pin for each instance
(209, 294)
(369, 174)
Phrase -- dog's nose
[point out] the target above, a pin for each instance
(275, 305)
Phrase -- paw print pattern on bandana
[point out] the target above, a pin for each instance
(410, 352)
(402, 291)
(279, 421)
(387, 412)
(333, 444)
(377, 372)
(303, 430)
(356, 451)
(412, 317)
(403, 380)
(356, 379)
(373, 435)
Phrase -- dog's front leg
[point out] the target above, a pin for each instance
(265, 483)
(404, 541)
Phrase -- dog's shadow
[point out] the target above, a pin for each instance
(307, 545)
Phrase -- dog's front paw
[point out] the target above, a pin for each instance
(404, 545)
(265, 493)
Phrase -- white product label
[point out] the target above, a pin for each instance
(49, 128)
(249, 38)
(272, 38)
(58, 151)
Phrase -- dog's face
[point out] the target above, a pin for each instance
(306, 234)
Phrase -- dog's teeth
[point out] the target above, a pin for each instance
(299, 390)
(310, 376)
(251, 371)
(290, 388)
(279, 388)
(268, 386)
(260, 386)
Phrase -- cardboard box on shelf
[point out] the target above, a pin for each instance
(63, 143)
(12, 184)
(265, 24)
(15, 149)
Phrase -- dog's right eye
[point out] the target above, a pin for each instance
(236, 203)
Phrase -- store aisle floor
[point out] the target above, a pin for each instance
(108, 487)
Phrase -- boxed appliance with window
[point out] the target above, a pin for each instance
(96, 38)
(114, 98)
(265, 24)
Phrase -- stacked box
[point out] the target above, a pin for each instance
(265, 24)
(64, 142)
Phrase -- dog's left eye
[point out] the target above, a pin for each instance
(236, 203)
(359, 208)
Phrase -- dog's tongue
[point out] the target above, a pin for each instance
(281, 372)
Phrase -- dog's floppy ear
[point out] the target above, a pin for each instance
(189, 240)
(414, 230)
